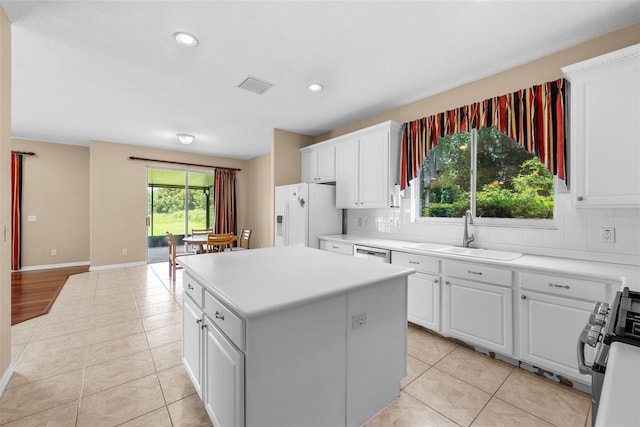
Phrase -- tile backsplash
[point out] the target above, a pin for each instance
(576, 233)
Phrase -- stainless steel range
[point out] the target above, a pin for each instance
(619, 322)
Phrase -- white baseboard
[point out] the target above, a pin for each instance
(50, 266)
(6, 377)
(108, 267)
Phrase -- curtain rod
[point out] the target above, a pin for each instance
(26, 153)
(182, 163)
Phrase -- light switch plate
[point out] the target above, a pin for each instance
(32, 218)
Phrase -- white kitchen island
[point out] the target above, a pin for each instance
(293, 336)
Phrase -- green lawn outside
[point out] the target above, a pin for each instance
(174, 222)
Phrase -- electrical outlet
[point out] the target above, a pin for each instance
(359, 221)
(54, 252)
(124, 252)
(358, 320)
(608, 235)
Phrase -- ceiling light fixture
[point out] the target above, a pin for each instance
(185, 138)
(314, 87)
(186, 39)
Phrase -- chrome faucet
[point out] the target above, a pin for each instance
(466, 239)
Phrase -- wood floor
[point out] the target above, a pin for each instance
(34, 292)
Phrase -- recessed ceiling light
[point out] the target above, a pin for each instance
(314, 87)
(185, 138)
(186, 39)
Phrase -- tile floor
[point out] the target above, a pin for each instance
(109, 353)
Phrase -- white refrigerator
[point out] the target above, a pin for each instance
(305, 211)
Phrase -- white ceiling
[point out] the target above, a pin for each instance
(111, 71)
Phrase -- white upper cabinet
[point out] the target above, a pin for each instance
(367, 166)
(605, 129)
(318, 163)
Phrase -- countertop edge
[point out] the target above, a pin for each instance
(227, 300)
(534, 263)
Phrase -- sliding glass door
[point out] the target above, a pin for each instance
(178, 201)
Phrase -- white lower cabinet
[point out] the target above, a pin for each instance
(192, 342)
(423, 300)
(553, 311)
(479, 313)
(423, 289)
(214, 364)
(224, 383)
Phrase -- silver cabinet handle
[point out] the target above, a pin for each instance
(218, 315)
(447, 282)
(435, 280)
(553, 285)
(334, 247)
(199, 321)
(580, 198)
(477, 273)
(204, 326)
(523, 297)
(414, 262)
(189, 286)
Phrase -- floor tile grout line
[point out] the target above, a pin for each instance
(65, 402)
(525, 411)
(430, 407)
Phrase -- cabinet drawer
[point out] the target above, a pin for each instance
(479, 273)
(192, 288)
(225, 319)
(421, 263)
(565, 286)
(341, 248)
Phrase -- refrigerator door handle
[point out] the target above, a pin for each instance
(285, 224)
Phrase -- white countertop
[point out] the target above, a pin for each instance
(260, 281)
(620, 401)
(626, 274)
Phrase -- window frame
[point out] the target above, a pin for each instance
(416, 205)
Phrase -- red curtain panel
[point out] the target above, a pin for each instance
(224, 200)
(16, 205)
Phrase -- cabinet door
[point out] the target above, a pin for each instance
(374, 170)
(479, 314)
(192, 342)
(423, 300)
(347, 174)
(224, 385)
(605, 106)
(326, 164)
(549, 329)
(309, 165)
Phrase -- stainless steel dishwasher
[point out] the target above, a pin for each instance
(373, 254)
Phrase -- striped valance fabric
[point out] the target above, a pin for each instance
(534, 117)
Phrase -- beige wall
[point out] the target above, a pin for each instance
(260, 201)
(285, 169)
(5, 197)
(532, 73)
(56, 191)
(118, 199)
(285, 150)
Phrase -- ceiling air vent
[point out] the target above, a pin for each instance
(255, 85)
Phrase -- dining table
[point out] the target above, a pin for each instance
(201, 240)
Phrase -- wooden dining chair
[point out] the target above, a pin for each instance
(244, 239)
(197, 232)
(219, 242)
(173, 255)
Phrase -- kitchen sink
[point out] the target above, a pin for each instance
(430, 247)
(481, 253)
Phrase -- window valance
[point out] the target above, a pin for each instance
(534, 117)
